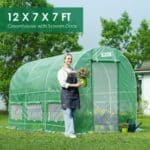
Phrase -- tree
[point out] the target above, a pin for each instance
(143, 36)
(24, 3)
(19, 48)
(139, 48)
(116, 33)
(119, 34)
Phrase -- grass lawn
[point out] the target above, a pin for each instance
(11, 139)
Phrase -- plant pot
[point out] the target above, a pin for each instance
(83, 82)
(124, 129)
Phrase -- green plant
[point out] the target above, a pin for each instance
(83, 73)
(124, 125)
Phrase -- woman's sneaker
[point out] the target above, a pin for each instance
(71, 135)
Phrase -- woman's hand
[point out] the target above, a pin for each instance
(75, 85)
(78, 84)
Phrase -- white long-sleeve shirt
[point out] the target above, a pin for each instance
(62, 76)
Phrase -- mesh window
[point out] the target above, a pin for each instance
(55, 112)
(34, 112)
(16, 112)
(105, 96)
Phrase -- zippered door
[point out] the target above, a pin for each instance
(105, 96)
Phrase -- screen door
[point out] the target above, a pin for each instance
(105, 102)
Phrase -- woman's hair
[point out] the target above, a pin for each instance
(68, 54)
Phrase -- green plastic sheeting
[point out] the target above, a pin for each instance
(108, 100)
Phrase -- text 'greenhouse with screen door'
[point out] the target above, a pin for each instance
(108, 100)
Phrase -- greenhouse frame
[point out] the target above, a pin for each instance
(108, 100)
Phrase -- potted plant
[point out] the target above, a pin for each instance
(83, 74)
(124, 127)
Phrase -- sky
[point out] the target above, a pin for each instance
(108, 9)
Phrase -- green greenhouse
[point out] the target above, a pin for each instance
(108, 100)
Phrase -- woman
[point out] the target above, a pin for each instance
(70, 99)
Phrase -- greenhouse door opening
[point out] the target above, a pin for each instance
(105, 96)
